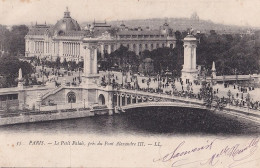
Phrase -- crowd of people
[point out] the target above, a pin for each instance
(165, 85)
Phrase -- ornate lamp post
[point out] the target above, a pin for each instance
(229, 95)
(79, 75)
(248, 100)
(148, 83)
(173, 87)
(236, 75)
(158, 77)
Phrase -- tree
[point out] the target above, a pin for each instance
(17, 42)
(57, 62)
(121, 57)
(4, 39)
(65, 64)
(9, 67)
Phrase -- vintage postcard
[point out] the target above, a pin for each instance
(130, 83)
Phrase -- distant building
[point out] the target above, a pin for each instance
(65, 39)
(194, 16)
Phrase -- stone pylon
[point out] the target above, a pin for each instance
(189, 71)
(90, 76)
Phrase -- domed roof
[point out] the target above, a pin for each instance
(66, 24)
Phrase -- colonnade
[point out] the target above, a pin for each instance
(38, 46)
(136, 47)
(71, 49)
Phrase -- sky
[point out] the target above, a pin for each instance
(234, 12)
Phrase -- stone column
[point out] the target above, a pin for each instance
(67, 48)
(117, 100)
(131, 47)
(35, 46)
(125, 100)
(143, 47)
(149, 47)
(194, 57)
(109, 48)
(72, 49)
(77, 51)
(68, 51)
(64, 48)
(95, 61)
(87, 62)
(137, 50)
(102, 50)
(121, 101)
(45, 47)
(42, 47)
(131, 100)
(38, 47)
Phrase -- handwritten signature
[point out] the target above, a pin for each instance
(238, 153)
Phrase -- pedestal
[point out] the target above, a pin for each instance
(190, 74)
(90, 80)
(20, 85)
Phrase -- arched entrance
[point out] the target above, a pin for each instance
(71, 97)
(101, 99)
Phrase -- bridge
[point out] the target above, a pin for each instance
(102, 99)
(127, 99)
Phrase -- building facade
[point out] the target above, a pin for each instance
(65, 39)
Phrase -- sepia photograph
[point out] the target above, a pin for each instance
(130, 83)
